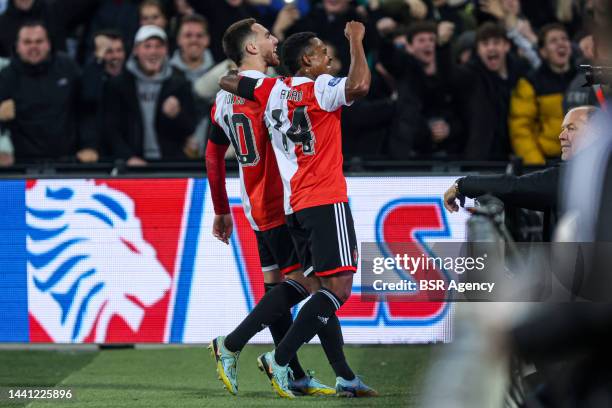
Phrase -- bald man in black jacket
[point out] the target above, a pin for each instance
(535, 191)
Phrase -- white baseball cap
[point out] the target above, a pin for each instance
(150, 31)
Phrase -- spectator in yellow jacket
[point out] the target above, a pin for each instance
(536, 106)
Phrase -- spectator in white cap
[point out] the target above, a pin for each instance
(149, 109)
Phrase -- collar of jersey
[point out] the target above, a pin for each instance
(251, 73)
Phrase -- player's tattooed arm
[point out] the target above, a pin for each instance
(239, 85)
(359, 76)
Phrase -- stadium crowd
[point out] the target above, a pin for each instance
(99, 80)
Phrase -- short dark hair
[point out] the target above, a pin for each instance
(294, 48)
(490, 30)
(193, 18)
(32, 24)
(110, 33)
(543, 33)
(234, 37)
(420, 27)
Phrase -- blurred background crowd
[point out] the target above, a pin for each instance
(452, 79)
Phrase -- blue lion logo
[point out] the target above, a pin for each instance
(86, 255)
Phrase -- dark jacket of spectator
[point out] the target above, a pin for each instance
(120, 15)
(538, 191)
(367, 123)
(58, 16)
(542, 12)
(485, 102)
(330, 28)
(423, 98)
(446, 12)
(13, 18)
(124, 117)
(46, 98)
(535, 191)
(220, 15)
(94, 80)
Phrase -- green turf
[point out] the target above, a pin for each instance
(185, 377)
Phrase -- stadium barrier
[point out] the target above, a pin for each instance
(132, 260)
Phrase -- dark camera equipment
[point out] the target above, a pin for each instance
(597, 75)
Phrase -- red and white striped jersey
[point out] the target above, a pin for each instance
(304, 120)
(243, 123)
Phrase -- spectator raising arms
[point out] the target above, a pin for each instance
(486, 83)
(149, 109)
(427, 121)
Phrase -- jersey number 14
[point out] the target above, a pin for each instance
(300, 131)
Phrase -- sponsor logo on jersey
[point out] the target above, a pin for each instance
(334, 81)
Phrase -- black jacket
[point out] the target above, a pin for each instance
(94, 78)
(123, 118)
(220, 15)
(485, 105)
(422, 98)
(47, 102)
(59, 16)
(536, 191)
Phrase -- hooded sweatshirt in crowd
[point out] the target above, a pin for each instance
(135, 123)
(148, 88)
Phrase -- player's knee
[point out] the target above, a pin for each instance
(343, 294)
(273, 276)
(314, 283)
(298, 276)
(341, 285)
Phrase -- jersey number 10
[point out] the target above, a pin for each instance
(243, 141)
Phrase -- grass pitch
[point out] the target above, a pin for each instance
(185, 377)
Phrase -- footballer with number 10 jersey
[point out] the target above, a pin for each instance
(242, 122)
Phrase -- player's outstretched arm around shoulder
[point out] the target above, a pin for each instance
(359, 76)
(229, 82)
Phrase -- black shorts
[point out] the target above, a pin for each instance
(276, 250)
(325, 239)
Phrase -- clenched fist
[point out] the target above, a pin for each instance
(354, 30)
(171, 107)
(7, 110)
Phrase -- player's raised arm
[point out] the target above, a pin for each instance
(359, 76)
